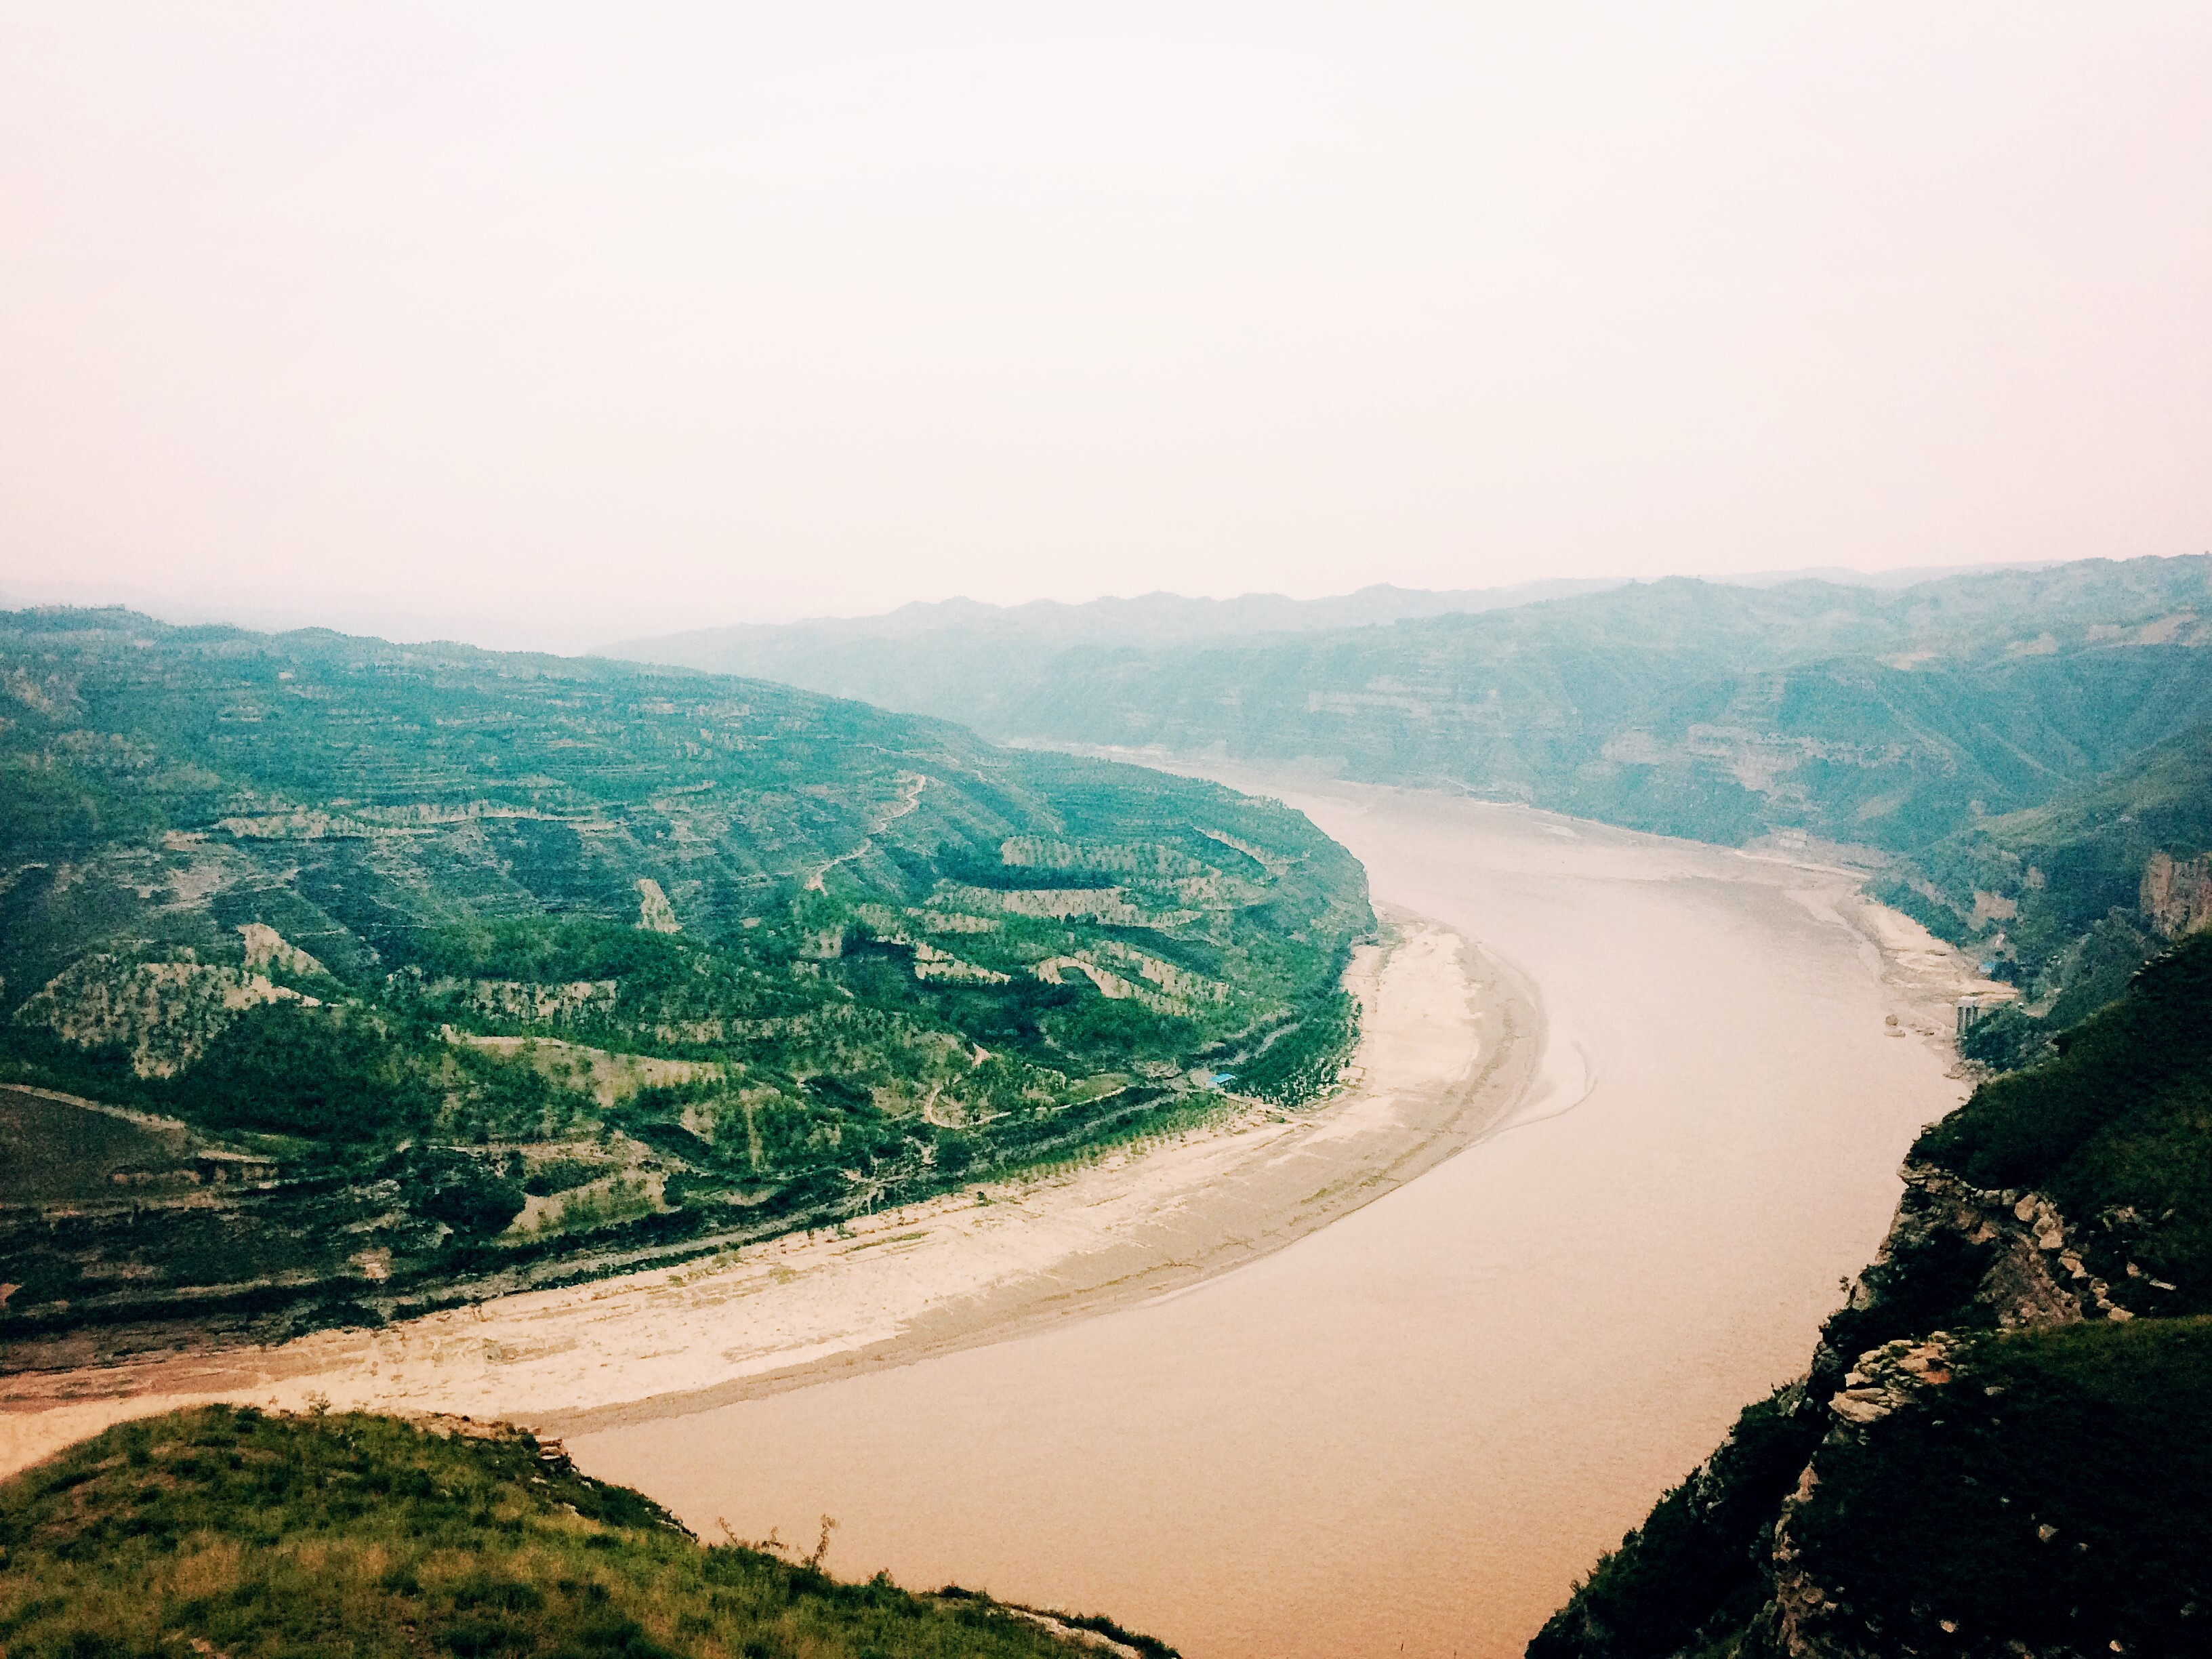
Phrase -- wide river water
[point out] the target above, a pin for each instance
(1412, 1430)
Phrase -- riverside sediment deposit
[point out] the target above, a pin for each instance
(1445, 1046)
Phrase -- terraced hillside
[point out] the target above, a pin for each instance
(2011, 751)
(442, 968)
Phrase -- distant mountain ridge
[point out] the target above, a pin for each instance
(1159, 616)
(1915, 721)
(963, 659)
(955, 657)
(1693, 708)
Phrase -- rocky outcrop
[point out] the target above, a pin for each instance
(2177, 894)
(1959, 1261)
(1802, 1613)
(1963, 1256)
(1891, 1376)
(2004, 1259)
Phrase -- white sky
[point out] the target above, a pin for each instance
(544, 325)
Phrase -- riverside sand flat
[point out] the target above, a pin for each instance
(1445, 1054)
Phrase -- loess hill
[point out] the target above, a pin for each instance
(397, 970)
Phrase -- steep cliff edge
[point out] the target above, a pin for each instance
(2175, 895)
(1998, 1446)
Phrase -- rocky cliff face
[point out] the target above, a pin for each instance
(1998, 1446)
(1867, 1511)
(2013, 1262)
(1961, 1255)
(2177, 894)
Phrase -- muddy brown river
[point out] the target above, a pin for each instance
(1412, 1430)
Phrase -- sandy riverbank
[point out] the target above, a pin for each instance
(1448, 1047)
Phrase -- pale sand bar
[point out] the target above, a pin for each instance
(1448, 1047)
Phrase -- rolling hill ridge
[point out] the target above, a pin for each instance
(409, 972)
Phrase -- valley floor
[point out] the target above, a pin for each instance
(1446, 1054)
(1420, 1424)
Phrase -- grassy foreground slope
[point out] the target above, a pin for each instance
(406, 966)
(355, 1536)
(1999, 1446)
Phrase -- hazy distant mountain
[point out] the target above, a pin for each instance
(1910, 576)
(969, 662)
(962, 659)
(1691, 707)
(1865, 713)
(1890, 717)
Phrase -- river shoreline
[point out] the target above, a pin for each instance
(1420, 1424)
(1450, 1040)
(1283, 1420)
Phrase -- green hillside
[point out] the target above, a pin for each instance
(1883, 717)
(354, 1536)
(1999, 1446)
(2012, 747)
(2068, 898)
(1693, 708)
(456, 966)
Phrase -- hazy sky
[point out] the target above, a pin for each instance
(536, 324)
